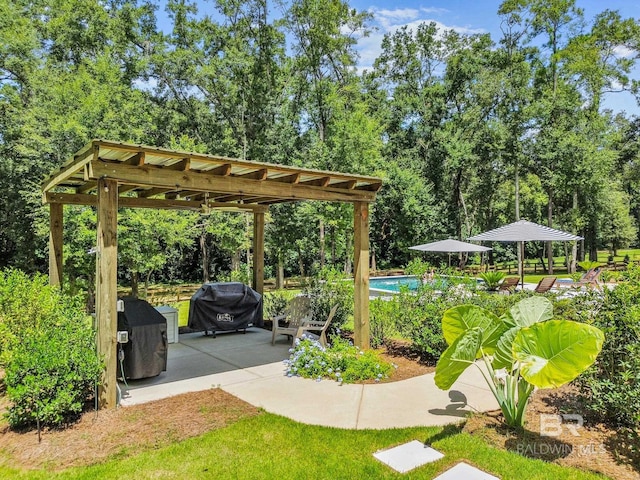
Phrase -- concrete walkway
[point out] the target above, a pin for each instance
(249, 367)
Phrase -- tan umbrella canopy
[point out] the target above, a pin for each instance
(450, 246)
(525, 231)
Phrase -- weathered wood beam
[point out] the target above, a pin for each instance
(137, 159)
(160, 203)
(224, 185)
(260, 174)
(72, 167)
(294, 178)
(361, 274)
(373, 187)
(107, 288)
(317, 182)
(55, 243)
(181, 165)
(349, 185)
(87, 187)
(126, 188)
(258, 252)
(222, 170)
(152, 192)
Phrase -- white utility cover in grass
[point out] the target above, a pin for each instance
(408, 456)
(463, 471)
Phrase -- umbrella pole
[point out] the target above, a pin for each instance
(521, 263)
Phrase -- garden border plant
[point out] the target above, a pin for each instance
(47, 350)
(520, 350)
(341, 361)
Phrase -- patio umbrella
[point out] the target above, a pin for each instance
(450, 246)
(524, 231)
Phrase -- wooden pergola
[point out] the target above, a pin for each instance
(111, 175)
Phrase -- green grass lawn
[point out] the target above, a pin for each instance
(272, 447)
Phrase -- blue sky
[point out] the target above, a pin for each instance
(465, 16)
(475, 16)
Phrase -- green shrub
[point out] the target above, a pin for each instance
(48, 351)
(274, 303)
(492, 279)
(382, 321)
(328, 288)
(341, 362)
(417, 267)
(417, 316)
(611, 388)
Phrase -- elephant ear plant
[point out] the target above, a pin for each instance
(521, 350)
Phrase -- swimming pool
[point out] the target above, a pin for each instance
(389, 285)
(393, 284)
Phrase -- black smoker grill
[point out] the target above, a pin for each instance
(145, 354)
(225, 306)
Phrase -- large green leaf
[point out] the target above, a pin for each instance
(458, 320)
(503, 356)
(531, 310)
(455, 359)
(555, 352)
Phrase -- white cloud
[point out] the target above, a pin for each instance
(434, 10)
(623, 52)
(390, 21)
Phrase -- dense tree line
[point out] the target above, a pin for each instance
(468, 132)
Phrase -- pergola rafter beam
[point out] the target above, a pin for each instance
(159, 203)
(225, 185)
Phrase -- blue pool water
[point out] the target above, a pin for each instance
(393, 284)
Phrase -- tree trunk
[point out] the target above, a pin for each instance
(322, 246)
(333, 246)
(550, 244)
(300, 263)
(348, 254)
(517, 192)
(373, 260)
(280, 273)
(135, 279)
(574, 249)
(205, 256)
(146, 284)
(235, 261)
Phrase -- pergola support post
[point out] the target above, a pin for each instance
(55, 243)
(361, 274)
(258, 252)
(106, 288)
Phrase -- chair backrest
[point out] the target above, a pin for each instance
(509, 283)
(545, 284)
(592, 275)
(323, 324)
(298, 311)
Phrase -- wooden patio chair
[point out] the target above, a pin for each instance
(509, 284)
(295, 315)
(545, 284)
(589, 279)
(320, 327)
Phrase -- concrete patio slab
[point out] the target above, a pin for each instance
(249, 367)
(408, 456)
(464, 471)
(303, 400)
